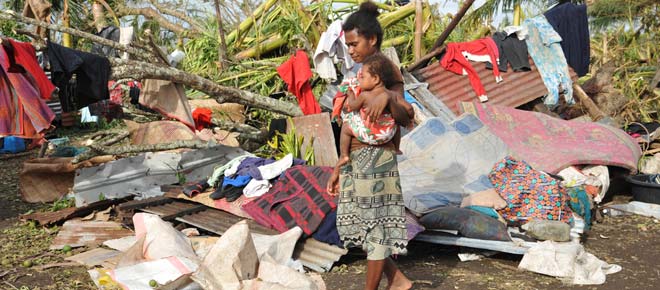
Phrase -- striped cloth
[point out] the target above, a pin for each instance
(22, 112)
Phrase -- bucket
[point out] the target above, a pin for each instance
(643, 190)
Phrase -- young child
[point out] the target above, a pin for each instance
(376, 75)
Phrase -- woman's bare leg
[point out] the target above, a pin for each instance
(374, 273)
(396, 280)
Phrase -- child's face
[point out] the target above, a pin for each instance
(367, 80)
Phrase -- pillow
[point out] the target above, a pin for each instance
(468, 223)
(413, 227)
(486, 198)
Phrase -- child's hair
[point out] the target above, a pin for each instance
(378, 64)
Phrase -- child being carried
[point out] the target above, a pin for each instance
(376, 75)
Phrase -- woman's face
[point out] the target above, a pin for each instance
(359, 46)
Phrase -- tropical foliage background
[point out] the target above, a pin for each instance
(261, 34)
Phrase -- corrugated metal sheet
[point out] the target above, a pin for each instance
(313, 254)
(517, 89)
(316, 255)
(78, 233)
(218, 222)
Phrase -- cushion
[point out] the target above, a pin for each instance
(468, 223)
(485, 198)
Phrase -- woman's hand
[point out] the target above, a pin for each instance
(375, 106)
(333, 183)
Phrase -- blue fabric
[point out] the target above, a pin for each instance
(489, 211)
(236, 180)
(13, 144)
(543, 45)
(327, 230)
(409, 98)
(571, 23)
(580, 204)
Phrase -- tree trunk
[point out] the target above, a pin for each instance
(134, 51)
(66, 38)
(249, 21)
(96, 150)
(222, 48)
(222, 94)
(419, 21)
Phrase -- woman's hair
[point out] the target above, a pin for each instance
(378, 64)
(365, 20)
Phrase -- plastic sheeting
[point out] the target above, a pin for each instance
(442, 162)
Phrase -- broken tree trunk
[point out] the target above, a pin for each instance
(11, 15)
(437, 46)
(222, 94)
(131, 69)
(97, 150)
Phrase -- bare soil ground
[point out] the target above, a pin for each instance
(629, 241)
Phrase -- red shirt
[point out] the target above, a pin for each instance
(26, 57)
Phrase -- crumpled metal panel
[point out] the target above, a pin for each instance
(146, 172)
(518, 88)
(77, 233)
(316, 255)
(518, 248)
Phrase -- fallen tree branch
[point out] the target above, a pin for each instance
(96, 150)
(222, 94)
(245, 131)
(165, 9)
(153, 14)
(116, 139)
(11, 15)
(53, 265)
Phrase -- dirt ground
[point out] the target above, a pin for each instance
(629, 241)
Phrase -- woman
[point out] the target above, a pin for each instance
(370, 211)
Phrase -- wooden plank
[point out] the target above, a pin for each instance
(317, 126)
(78, 233)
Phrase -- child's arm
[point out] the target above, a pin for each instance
(353, 102)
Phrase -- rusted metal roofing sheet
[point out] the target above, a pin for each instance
(78, 233)
(218, 222)
(518, 88)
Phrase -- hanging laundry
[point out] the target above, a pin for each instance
(23, 113)
(543, 45)
(455, 61)
(168, 99)
(296, 74)
(571, 23)
(512, 51)
(110, 33)
(25, 56)
(92, 74)
(332, 49)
